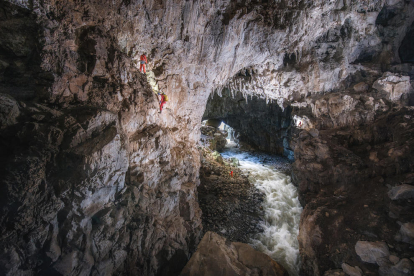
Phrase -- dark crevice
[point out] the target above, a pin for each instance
(406, 50)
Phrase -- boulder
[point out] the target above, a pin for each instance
(394, 259)
(404, 267)
(220, 140)
(234, 162)
(361, 87)
(216, 256)
(314, 132)
(351, 271)
(335, 272)
(401, 192)
(217, 156)
(369, 252)
(407, 233)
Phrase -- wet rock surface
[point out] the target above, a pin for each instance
(213, 138)
(230, 205)
(216, 255)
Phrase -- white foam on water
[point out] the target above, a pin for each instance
(281, 206)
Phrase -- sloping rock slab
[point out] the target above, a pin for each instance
(216, 256)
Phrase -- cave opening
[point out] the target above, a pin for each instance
(247, 175)
(259, 124)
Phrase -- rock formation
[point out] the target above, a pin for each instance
(216, 256)
(213, 138)
(95, 181)
(348, 174)
(229, 202)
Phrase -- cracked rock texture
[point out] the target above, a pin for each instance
(95, 181)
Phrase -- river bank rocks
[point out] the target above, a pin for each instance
(230, 205)
(216, 255)
(213, 138)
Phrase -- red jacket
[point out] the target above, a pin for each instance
(143, 58)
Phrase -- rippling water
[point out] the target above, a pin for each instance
(281, 206)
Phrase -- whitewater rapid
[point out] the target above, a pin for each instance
(281, 206)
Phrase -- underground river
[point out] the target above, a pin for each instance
(281, 206)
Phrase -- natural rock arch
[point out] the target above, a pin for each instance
(261, 124)
(127, 203)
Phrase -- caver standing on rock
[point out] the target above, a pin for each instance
(143, 61)
(164, 99)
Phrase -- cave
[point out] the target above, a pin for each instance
(260, 124)
(97, 179)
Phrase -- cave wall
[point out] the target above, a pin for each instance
(94, 180)
(354, 150)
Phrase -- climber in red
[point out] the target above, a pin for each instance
(143, 61)
(231, 173)
(164, 99)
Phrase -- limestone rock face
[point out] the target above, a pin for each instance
(90, 197)
(342, 176)
(216, 256)
(94, 180)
